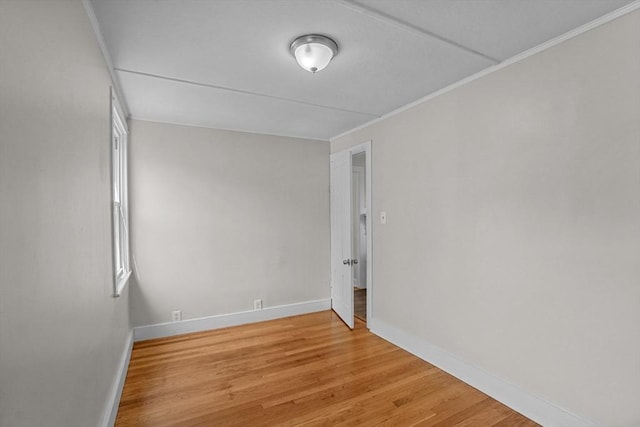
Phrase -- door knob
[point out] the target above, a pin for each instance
(346, 261)
(354, 261)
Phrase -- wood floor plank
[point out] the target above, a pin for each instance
(302, 370)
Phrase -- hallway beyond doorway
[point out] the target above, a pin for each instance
(360, 303)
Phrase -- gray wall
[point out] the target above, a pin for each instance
(513, 232)
(62, 335)
(220, 218)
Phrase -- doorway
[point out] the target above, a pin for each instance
(351, 237)
(359, 234)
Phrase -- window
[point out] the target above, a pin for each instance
(120, 204)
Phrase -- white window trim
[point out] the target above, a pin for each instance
(121, 270)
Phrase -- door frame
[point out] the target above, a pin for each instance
(365, 147)
(358, 170)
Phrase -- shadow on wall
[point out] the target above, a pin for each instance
(142, 307)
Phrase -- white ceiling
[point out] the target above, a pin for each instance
(226, 64)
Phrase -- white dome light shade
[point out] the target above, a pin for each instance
(313, 57)
(313, 52)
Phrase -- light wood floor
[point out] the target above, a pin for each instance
(303, 370)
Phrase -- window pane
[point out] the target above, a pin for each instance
(116, 239)
(116, 166)
(123, 245)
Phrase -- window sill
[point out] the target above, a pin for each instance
(121, 283)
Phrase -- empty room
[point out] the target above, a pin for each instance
(319, 213)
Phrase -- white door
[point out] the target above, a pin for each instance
(341, 259)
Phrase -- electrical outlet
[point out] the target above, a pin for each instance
(176, 315)
(257, 304)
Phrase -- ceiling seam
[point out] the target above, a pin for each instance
(631, 7)
(244, 92)
(392, 20)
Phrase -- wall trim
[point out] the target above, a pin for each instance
(113, 400)
(88, 7)
(160, 330)
(492, 69)
(531, 406)
(202, 126)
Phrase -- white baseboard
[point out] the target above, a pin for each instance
(232, 319)
(113, 401)
(533, 407)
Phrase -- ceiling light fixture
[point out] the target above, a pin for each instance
(313, 51)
